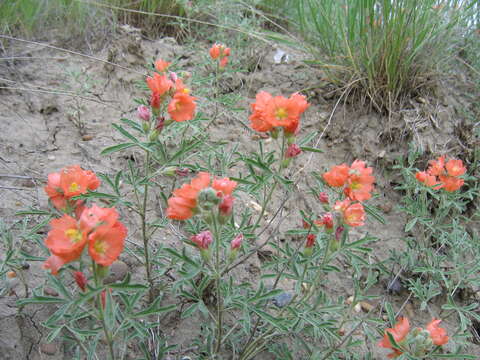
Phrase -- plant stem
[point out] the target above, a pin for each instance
(108, 336)
(143, 216)
(216, 237)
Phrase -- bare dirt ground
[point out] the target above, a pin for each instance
(38, 136)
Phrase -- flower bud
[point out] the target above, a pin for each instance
(143, 112)
(160, 124)
(226, 206)
(170, 171)
(292, 151)
(311, 238)
(323, 197)
(80, 279)
(182, 172)
(173, 76)
(339, 232)
(207, 198)
(202, 240)
(237, 242)
(327, 220)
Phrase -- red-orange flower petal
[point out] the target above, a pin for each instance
(96, 216)
(451, 183)
(354, 215)
(162, 65)
(455, 167)
(106, 243)
(225, 185)
(257, 119)
(436, 167)
(399, 332)
(180, 208)
(438, 334)
(182, 107)
(215, 51)
(337, 176)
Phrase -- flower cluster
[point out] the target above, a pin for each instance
(71, 181)
(271, 112)
(95, 227)
(163, 85)
(203, 192)
(423, 340)
(441, 175)
(220, 52)
(356, 180)
(357, 184)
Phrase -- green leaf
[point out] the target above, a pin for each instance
(115, 148)
(409, 226)
(54, 334)
(375, 213)
(270, 319)
(33, 212)
(266, 296)
(41, 300)
(311, 149)
(125, 133)
(153, 309)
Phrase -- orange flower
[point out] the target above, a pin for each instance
(184, 200)
(436, 167)
(65, 241)
(440, 175)
(106, 243)
(399, 332)
(451, 183)
(218, 51)
(360, 181)
(455, 168)
(428, 180)
(302, 105)
(225, 185)
(337, 176)
(182, 205)
(161, 65)
(215, 51)
(283, 112)
(95, 216)
(257, 119)
(438, 334)
(182, 107)
(354, 215)
(159, 85)
(223, 62)
(69, 182)
(341, 206)
(269, 112)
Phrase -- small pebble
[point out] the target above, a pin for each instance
(50, 292)
(87, 137)
(394, 286)
(282, 299)
(48, 349)
(51, 157)
(118, 270)
(386, 207)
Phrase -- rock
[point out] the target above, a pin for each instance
(87, 137)
(282, 299)
(118, 270)
(48, 349)
(49, 291)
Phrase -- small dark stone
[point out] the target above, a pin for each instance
(282, 299)
(48, 349)
(25, 266)
(394, 286)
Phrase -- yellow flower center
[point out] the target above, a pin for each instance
(73, 187)
(178, 106)
(186, 91)
(74, 235)
(281, 113)
(100, 247)
(355, 185)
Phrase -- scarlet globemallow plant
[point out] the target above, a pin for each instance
(443, 175)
